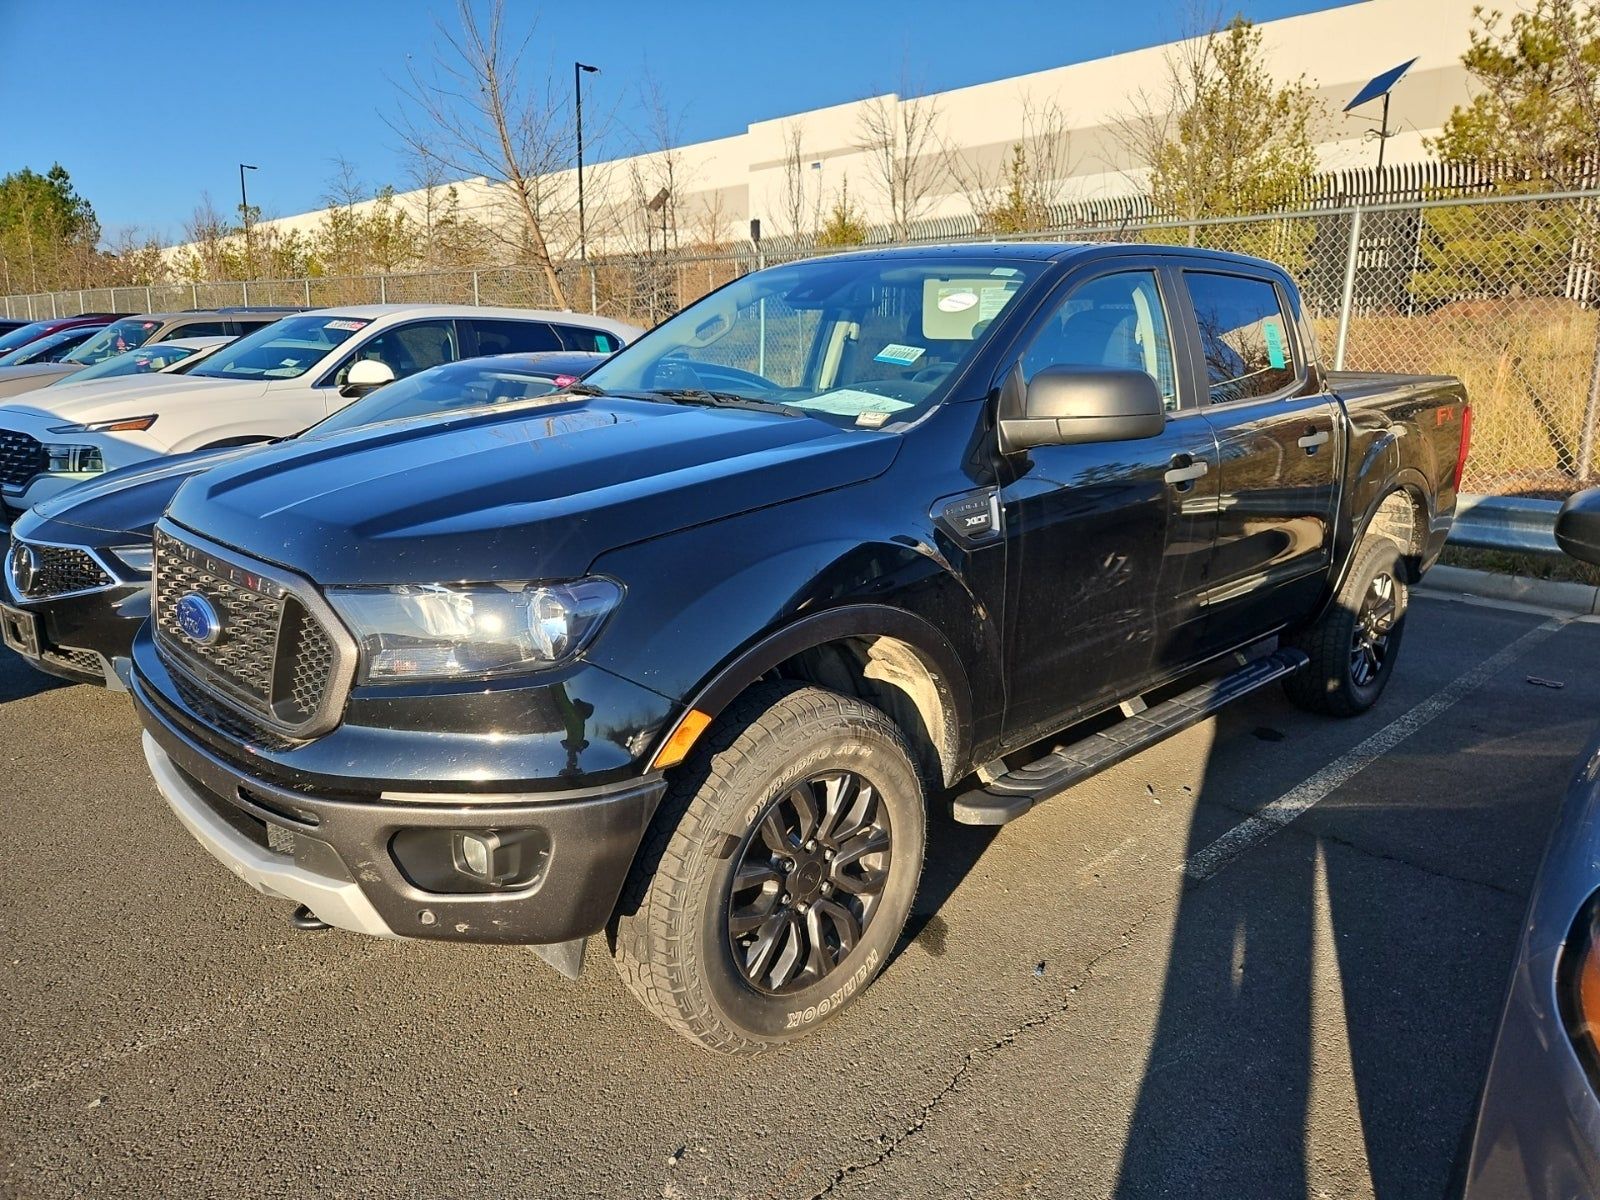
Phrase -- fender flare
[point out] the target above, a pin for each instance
(835, 624)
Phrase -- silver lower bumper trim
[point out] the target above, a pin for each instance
(339, 902)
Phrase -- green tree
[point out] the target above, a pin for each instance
(1533, 126)
(48, 232)
(1223, 138)
(845, 226)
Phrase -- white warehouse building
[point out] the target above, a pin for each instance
(720, 185)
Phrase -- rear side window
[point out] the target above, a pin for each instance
(514, 337)
(575, 337)
(1244, 333)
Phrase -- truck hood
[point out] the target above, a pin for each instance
(537, 492)
(103, 399)
(130, 500)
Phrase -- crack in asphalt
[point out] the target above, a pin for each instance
(980, 1054)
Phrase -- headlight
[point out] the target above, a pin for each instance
(115, 425)
(73, 460)
(138, 559)
(457, 631)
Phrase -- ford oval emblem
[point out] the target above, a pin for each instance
(198, 620)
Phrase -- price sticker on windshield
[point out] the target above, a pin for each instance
(347, 326)
(900, 356)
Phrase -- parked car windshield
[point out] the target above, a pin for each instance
(22, 335)
(285, 349)
(42, 350)
(856, 341)
(134, 362)
(126, 334)
(469, 384)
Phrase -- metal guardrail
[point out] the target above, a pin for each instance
(1510, 523)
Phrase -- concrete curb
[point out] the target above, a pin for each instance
(1562, 595)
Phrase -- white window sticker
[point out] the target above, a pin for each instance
(349, 326)
(958, 301)
(901, 356)
(848, 402)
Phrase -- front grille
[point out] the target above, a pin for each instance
(272, 659)
(227, 720)
(21, 457)
(56, 571)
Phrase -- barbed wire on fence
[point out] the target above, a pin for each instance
(1501, 291)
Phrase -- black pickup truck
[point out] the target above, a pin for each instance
(684, 654)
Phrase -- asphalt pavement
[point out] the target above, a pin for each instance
(1265, 958)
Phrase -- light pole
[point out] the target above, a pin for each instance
(244, 216)
(579, 70)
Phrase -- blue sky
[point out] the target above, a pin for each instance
(149, 104)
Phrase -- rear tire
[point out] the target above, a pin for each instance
(746, 922)
(1353, 646)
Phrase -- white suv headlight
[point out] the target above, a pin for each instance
(461, 631)
(73, 460)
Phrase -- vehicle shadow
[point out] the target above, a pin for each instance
(1320, 960)
(18, 680)
(953, 850)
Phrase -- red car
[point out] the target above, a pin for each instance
(23, 334)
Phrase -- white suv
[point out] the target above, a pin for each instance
(268, 384)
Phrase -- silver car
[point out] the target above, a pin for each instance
(1538, 1130)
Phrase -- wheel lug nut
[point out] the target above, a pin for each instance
(828, 854)
(811, 845)
(786, 897)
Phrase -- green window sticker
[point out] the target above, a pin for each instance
(1273, 333)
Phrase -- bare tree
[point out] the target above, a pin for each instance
(1016, 193)
(799, 208)
(477, 112)
(209, 253)
(901, 140)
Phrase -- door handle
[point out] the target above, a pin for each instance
(1312, 440)
(1185, 470)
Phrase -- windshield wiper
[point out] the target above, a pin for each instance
(709, 399)
(583, 389)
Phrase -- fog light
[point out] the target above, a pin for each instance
(494, 857)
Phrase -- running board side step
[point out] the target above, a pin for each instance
(1006, 797)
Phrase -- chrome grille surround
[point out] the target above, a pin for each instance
(284, 663)
(52, 571)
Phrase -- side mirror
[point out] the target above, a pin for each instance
(364, 376)
(1067, 405)
(1578, 526)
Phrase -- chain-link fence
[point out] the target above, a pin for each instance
(1501, 291)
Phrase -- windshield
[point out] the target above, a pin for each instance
(468, 384)
(285, 349)
(135, 362)
(46, 349)
(22, 335)
(116, 337)
(855, 341)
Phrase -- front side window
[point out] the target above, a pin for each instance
(1113, 321)
(864, 341)
(406, 349)
(514, 337)
(201, 329)
(126, 334)
(1244, 334)
(285, 349)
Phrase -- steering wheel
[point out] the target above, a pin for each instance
(934, 374)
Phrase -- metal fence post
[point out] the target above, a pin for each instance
(1591, 415)
(149, 299)
(383, 289)
(244, 287)
(194, 294)
(594, 291)
(1347, 296)
(475, 286)
(307, 283)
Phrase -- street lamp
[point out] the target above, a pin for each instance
(244, 216)
(578, 71)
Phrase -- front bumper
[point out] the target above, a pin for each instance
(82, 636)
(356, 864)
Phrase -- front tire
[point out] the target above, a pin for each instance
(778, 873)
(1353, 646)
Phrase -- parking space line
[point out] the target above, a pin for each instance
(1254, 830)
